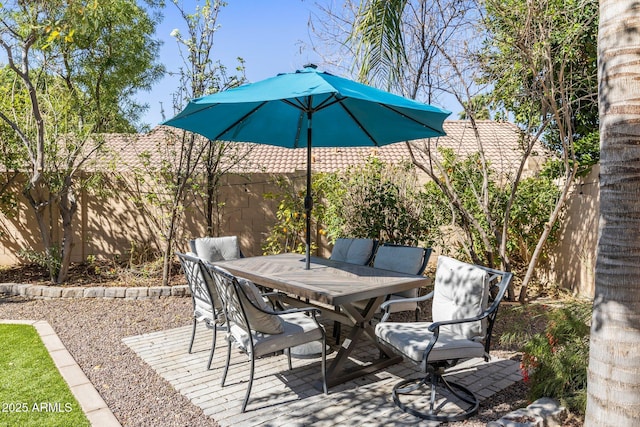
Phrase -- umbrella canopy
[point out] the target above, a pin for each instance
(310, 108)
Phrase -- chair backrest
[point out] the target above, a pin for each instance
(203, 293)
(244, 305)
(403, 259)
(214, 249)
(461, 290)
(354, 250)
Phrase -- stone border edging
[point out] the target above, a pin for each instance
(544, 412)
(109, 292)
(90, 401)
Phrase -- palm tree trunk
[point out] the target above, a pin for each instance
(613, 392)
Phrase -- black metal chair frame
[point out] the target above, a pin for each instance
(233, 287)
(200, 292)
(434, 370)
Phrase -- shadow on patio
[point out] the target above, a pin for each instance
(282, 397)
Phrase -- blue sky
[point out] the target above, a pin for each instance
(272, 36)
(269, 35)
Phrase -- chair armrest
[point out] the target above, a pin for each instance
(271, 294)
(311, 310)
(385, 305)
(274, 298)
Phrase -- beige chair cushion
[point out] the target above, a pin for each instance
(214, 249)
(353, 251)
(411, 339)
(403, 259)
(298, 328)
(200, 304)
(258, 320)
(461, 291)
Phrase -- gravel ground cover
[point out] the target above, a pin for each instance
(92, 330)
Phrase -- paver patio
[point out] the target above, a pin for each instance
(282, 397)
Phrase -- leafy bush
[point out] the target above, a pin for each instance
(529, 213)
(51, 260)
(555, 362)
(377, 201)
(374, 200)
(288, 234)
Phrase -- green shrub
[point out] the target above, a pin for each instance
(555, 362)
(288, 234)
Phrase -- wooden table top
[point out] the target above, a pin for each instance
(327, 281)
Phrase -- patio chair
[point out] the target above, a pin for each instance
(461, 330)
(354, 250)
(212, 249)
(257, 330)
(206, 304)
(403, 259)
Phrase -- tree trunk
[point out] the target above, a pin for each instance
(68, 209)
(553, 217)
(210, 194)
(167, 257)
(35, 195)
(613, 392)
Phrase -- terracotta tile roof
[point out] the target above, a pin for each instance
(500, 141)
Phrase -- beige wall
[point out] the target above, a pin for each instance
(573, 260)
(107, 227)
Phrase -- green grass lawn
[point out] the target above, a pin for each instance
(32, 391)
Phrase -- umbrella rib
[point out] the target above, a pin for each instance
(410, 118)
(362, 128)
(328, 102)
(228, 128)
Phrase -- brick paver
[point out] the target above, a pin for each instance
(281, 397)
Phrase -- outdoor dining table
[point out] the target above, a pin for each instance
(332, 284)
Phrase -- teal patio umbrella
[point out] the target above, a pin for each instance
(310, 108)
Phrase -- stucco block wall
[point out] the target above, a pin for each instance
(109, 226)
(573, 259)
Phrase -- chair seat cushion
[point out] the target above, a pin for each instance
(412, 339)
(298, 328)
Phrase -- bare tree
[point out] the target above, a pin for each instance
(192, 154)
(458, 50)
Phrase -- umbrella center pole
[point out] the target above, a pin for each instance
(308, 200)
